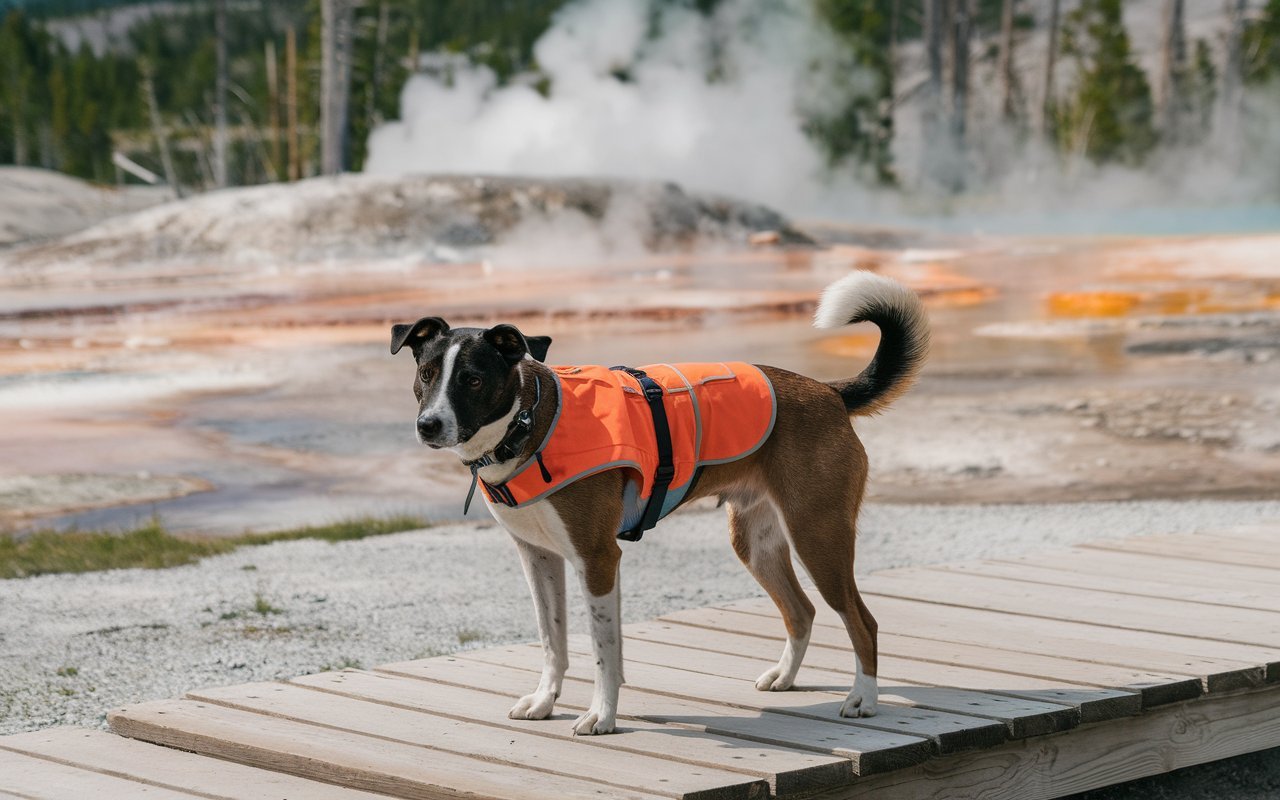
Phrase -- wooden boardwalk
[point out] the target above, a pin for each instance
(1024, 678)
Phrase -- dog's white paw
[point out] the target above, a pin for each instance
(593, 723)
(773, 680)
(533, 706)
(863, 698)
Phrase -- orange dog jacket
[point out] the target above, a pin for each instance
(717, 413)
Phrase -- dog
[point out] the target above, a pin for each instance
(486, 395)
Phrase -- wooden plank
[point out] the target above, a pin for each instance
(1090, 757)
(949, 732)
(565, 757)
(1063, 575)
(1080, 605)
(1222, 666)
(1265, 531)
(1266, 551)
(361, 762)
(1190, 570)
(787, 771)
(1200, 581)
(869, 751)
(30, 777)
(718, 655)
(936, 663)
(1094, 703)
(129, 759)
(1179, 551)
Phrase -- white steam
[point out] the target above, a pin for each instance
(639, 89)
(738, 133)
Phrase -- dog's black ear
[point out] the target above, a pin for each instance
(509, 341)
(538, 346)
(417, 334)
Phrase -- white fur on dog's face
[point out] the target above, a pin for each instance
(439, 405)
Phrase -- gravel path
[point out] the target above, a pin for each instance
(111, 638)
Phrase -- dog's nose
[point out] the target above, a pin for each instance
(429, 427)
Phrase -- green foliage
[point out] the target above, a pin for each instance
(1262, 46)
(859, 134)
(152, 547)
(1109, 115)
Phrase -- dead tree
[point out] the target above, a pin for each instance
(1233, 74)
(273, 107)
(220, 95)
(372, 117)
(1005, 66)
(291, 104)
(1171, 92)
(963, 34)
(934, 20)
(337, 18)
(157, 127)
(1051, 57)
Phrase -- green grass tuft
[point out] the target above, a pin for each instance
(152, 547)
(263, 607)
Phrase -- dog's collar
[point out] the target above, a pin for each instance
(512, 444)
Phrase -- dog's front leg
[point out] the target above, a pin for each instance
(604, 604)
(545, 572)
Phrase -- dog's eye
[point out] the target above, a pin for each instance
(472, 381)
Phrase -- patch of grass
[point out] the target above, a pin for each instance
(469, 635)
(263, 607)
(343, 531)
(152, 547)
(68, 672)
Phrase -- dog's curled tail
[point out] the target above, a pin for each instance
(904, 337)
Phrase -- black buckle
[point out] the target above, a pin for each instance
(664, 473)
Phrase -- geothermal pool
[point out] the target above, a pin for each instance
(223, 400)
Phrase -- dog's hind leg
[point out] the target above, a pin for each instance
(760, 543)
(824, 541)
(544, 571)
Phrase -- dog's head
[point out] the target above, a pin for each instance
(466, 377)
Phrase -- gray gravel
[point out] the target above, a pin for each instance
(74, 646)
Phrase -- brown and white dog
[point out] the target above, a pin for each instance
(801, 489)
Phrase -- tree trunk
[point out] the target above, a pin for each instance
(1233, 74)
(1173, 65)
(1051, 57)
(291, 104)
(895, 12)
(335, 78)
(273, 108)
(379, 57)
(220, 95)
(1005, 67)
(157, 128)
(963, 28)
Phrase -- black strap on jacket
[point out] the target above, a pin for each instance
(653, 394)
(512, 444)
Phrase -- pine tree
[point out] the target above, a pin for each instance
(1109, 115)
(1262, 46)
(860, 134)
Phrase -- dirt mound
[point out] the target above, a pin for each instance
(364, 218)
(38, 204)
